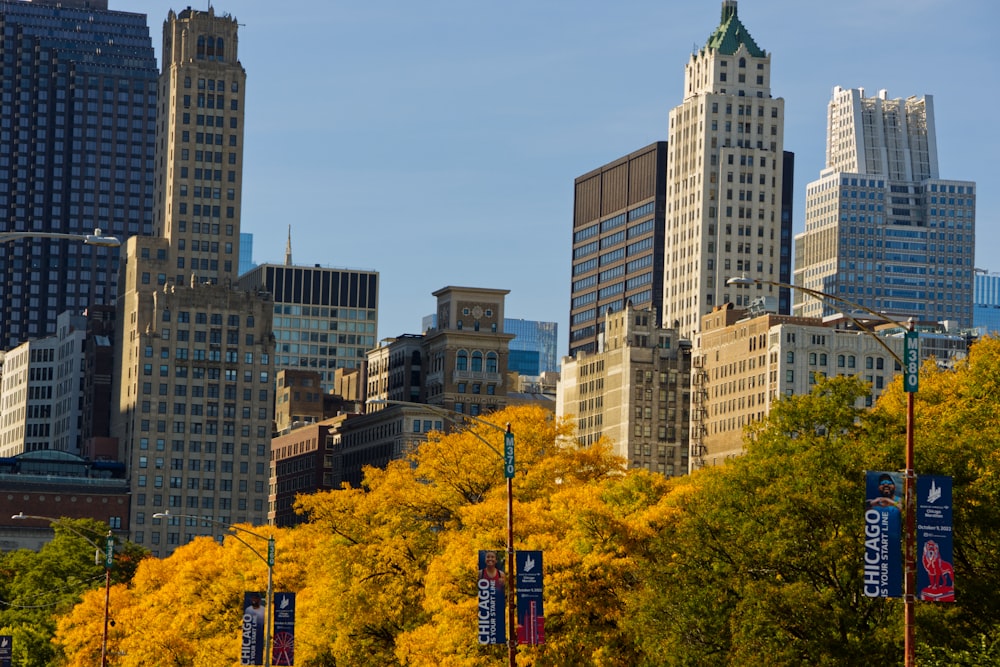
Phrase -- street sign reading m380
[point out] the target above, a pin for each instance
(911, 359)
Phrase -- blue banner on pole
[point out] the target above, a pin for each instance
(283, 639)
(935, 575)
(252, 648)
(530, 612)
(883, 573)
(6, 650)
(491, 587)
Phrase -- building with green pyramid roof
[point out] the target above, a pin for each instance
(729, 181)
(731, 34)
(729, 199)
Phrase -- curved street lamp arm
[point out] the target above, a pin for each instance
(247, 545)
(53, 520)
(451, 416)
(227, 526)
(823, 296)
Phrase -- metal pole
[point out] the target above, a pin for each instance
(910, 565)
(270, 600)
(511, 577)
(107, 609)
(508, 448)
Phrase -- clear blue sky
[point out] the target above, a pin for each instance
(437, 142)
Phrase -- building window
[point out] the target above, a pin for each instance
(462, 360)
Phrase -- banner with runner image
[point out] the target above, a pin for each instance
(883, 556)
(491, 588)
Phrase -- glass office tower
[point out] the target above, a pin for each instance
(77, 135)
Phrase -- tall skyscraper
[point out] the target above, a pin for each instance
(194, 378)
(726, 171)
(618, 241)
(882, 228)
(77, 118)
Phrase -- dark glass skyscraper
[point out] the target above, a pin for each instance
(77, 135)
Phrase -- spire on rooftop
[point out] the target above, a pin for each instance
(288, 248)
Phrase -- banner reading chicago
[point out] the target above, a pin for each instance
(883, 556)
(491, 587)
(252, 648)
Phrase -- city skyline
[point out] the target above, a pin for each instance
(440, 125)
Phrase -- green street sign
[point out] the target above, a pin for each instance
(109, 552)
(911, 359)
(270, 552)
(508, 455)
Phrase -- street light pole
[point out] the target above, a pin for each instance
(269, 560)
(910, 368)
(508, 460)
(910, 483)
(109, 552)
(97, 238)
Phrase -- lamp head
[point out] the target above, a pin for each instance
(740, 280)
(98, 239)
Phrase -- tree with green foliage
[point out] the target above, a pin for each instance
(760, 560)
(36, 588)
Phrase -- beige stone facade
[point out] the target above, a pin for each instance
(743, 364)
(633, 391)
(194, 377)
(466, 354)
(725, 174)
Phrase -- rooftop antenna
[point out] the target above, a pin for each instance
(288, 248)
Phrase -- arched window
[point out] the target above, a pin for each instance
(477, 361)
(743, 62)
(200, 53)
(491, 362)
(220, 52)
(462, 361)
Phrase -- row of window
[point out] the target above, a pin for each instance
(462, 361)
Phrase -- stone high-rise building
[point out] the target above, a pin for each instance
(194, 378)
(883, 229)
(728, 207)
(77, 144)
(634, 390)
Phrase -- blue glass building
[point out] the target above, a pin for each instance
(77, 128)
(533, 350)
(986, 304)
(246, 253)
